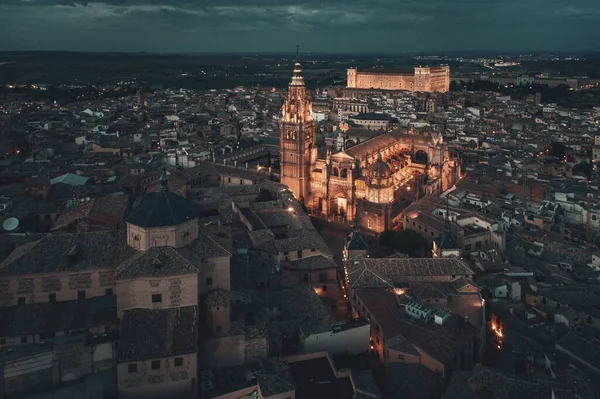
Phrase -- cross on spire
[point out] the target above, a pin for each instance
(356, 221)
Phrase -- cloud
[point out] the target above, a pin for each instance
(377, 25)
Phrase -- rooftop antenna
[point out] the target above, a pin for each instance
(297, 53)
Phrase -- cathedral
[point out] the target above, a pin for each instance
(365, 182)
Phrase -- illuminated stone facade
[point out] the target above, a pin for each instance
(426, 79)
(298, 152)
(368, 178)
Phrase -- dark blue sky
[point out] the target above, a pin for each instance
(321, 26)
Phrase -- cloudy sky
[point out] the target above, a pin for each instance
(317, 25)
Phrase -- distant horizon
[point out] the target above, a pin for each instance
(293, 53)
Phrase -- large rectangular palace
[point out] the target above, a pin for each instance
(427, 79)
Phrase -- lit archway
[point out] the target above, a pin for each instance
(421, 157)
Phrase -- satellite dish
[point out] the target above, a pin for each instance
(10, 224)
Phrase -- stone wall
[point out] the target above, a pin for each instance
(37, 288)
(172, 236)
(167, 381)
(175, 292)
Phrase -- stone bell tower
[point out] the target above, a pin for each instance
(297, 138)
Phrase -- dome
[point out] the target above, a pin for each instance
(163, 208)
(380, 169)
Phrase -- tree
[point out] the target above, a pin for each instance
(558, 150)
(318, 224)
(583, 168)
(408, 242)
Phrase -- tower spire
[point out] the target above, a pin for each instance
(297, 53)
(297, 79)
(297, 136)
(164, 183)
(356, 222)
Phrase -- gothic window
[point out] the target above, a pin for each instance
(344, 173)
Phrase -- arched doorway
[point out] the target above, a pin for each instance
(338, 205)
(421, 157)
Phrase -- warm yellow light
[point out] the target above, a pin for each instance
(497, 330)
(290, 209)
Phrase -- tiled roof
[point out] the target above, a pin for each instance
(374, 144)
(275, 379)
(442, 342)
(69, 252)
(213, 241)
(413, 380)
(587, 350)
(484, 383)
(313, 263)
(367, 278)
(394, 268)
(111, 207)
(300, 308)
(152, 334)
(304, 239)
(401, 344)
(371, 116)
(73, 214)
(217, 298)
(365, 384)
(155, 262)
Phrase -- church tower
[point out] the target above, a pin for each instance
(297, 138)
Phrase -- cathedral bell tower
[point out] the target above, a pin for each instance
(297, 138)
